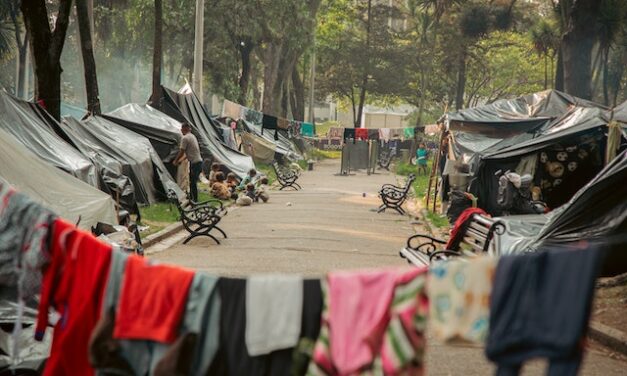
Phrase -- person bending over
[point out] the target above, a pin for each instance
(189, 149)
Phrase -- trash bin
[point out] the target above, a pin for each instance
(310, 164)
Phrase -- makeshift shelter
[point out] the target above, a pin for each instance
(185, 107)
(564, 158)
(30, 125)
(283, 145)
(64, 194)
(111, 144)
(163, 132)
(260, 149)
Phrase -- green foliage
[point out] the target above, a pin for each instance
(317, 154)
(323, 129)
(437, 220)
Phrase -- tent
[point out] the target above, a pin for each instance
(283, 145)
(30, 125)
(185, 107)
(110, 143)
(163, 131)
(260, 149)
(64, 194)
(485, 129)
(565, 157)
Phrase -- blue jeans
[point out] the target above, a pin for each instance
(194, 174)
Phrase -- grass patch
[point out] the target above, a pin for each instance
(323, 128)
(437, 220)
(267, 170)
(318, 154)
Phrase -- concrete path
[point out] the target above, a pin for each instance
(330, 225)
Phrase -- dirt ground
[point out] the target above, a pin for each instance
(332, 224)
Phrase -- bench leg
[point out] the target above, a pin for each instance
(220, 230)
(192, 236)
(400, 210)
(296, 184)
(382, 208)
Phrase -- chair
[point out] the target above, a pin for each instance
(286, 177)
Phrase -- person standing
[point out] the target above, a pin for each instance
(189, 149)
(421, 158)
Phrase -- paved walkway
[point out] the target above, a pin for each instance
(330, 225)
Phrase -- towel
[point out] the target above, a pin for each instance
(384, 134)
(361, 133)
(274, 308)
(231, 109)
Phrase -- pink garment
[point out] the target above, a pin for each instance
(359, 312)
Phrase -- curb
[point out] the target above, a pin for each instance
(608, 336)
(160, 235)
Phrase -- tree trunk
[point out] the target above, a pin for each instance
(272, 57)
(157, 55)
(461, 80)
(577, 45)
(46, 50)
(245, 52)
(285, 93)
(298, 88)
(254, 77)
(546, 73)
(559, 71)
(89, 63)
(364, 81)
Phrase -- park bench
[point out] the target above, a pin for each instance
(199, 218)
(477, 238)
(286, 176)
(393, 196)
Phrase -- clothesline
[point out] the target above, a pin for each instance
(236, 111)
(124, 312)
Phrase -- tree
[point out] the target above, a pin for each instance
(157, 53)
(89, 63)
(579, 35)
(47, 46)
(545, 42)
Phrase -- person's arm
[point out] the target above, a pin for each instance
(179, 157)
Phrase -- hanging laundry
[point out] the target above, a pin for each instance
(540, 307)
(312, 311)
(336, 132)
(396, 133)
(373, 134)
(273, 299)
(253, 116)
(365, 314)
(283, 123)
(295, 128)
(307, 130)
(152, 301)
(459, 293)
(384, 134)
(231, 109)
(24, 230)
(349, 133)
(73, 284)
(408, 133)
(361, 133)
(269, 122)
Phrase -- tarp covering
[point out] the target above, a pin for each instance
(64, 194)
(509, 116)
(258, 148)
(73, 111)
(187, 107)
(283, 144)
(28, 125)
(163, 131)
(101, 138)
(582, 130)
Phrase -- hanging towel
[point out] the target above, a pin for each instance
(273, 299)
(361, 133)
(460, 298)
(73, 284)
(307, 129)
(373, 134)
(384, 134)
(269, 122)
(231, 109)
(373, 314)
(349, 133)
(408, 133)
(396, 133)
(152, 301)
(336, 132)
(283, 123)
(540, 307)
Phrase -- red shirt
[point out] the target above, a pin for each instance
(73, 284)
(152, 301)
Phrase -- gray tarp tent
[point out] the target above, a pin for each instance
(186, 107)
(101, 138)
(64, 194)
(163, 131)
(566, 156)
(30, 126)
(284, 145)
